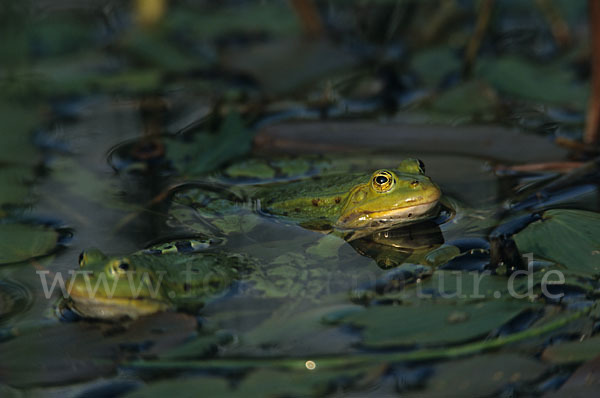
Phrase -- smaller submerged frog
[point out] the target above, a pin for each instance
(151, 280)
(351, 205)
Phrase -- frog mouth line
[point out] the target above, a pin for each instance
(115, 307)
(374, 219)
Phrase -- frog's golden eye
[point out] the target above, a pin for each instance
(382, 181)
(120, 266)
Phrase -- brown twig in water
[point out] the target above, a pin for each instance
(309, 16)
(559, 28)
(592, 125)
(483, 19)
(561, 167)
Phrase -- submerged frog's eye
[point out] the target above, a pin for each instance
(382, 181)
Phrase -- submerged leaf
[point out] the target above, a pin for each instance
(569, 237)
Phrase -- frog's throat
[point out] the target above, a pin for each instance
(116, 307)
(380, 219)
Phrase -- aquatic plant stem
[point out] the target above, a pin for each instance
(483, 19)
(309, 17)
(558, 26)
(592, 124)
(329, 362)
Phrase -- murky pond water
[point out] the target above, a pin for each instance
(198, 221)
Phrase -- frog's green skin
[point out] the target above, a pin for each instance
(146, 282)
(351, 204)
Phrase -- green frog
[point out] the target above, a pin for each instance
(163, 277)
(351, 205)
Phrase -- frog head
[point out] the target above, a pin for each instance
(390, 197)
(113, 287)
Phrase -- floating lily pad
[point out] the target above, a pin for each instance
(55, 356)
(260, 383)
(468, 101)
(433, 64)
(584, 382)
(455, 286)
(551, 84)
(19, 242)
(15, 134)
(481, 376)
(272, 18)
(67, 353)
(569, 237)
(199, 347)
(326, 247)
(572, 351)
(14, 181)
(440, 323)
(302, 333)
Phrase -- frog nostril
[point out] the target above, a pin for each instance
(414, 184)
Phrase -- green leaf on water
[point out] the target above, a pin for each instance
(302, 332)
(16, 142)
(433, 64)
(326, 247)
(572, 351)
(260, 383)
(270, 17)
(431, 324)
(480, 376)
(19, 242)
(569, 237)
(467, 101)
(199, 347)
(550, 84)
(13, 184)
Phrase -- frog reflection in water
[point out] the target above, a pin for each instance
(351, 205)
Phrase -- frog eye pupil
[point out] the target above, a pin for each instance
(123, 266)
(381, 180)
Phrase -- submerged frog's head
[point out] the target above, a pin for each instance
(112, 287)
(390, 197)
